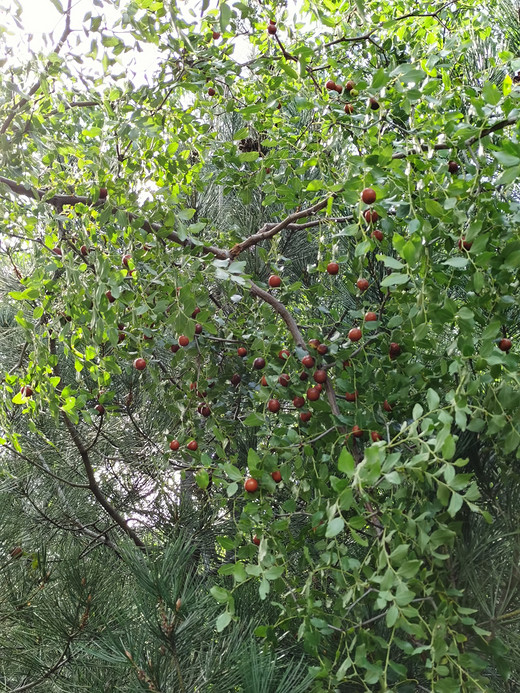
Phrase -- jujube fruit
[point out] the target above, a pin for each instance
(369, 196)
(274, 406)
(251, 485)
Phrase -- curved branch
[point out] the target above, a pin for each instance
(282, 312)
(32, 91)
(269, 230)
(499, 125)
(89, 470)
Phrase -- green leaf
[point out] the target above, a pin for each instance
(491, 94)
(334, 527)
(274, 573)
(254, 419)
(458, 262)
(346, 463)
(225, 16)
(223, 621)
(434, 208)
(202, 478)
(455, 504)
(220, 594)
(395, 279)
(433, 399)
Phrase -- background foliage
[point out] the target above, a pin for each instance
(143, 214)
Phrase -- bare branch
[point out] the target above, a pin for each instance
(282, 312)
(268, 231)
(32, 91)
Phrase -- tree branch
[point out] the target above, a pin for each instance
(499, 125)
(269, 230)
(32, 91)
(282, 312)
(87, 464)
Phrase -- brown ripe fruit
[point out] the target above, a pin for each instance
(236, 379)
(320, 376)
(322, 349)
(174, 445)
(251, 485)
(274, 406)
(463, 243)
(198, 328)
(216, 35)
(26, 391)
(272, 21)
(387, 406)
(195, 312)
(394, 350)
(357, 432)
(298, 402)
(371, 216)
(83, 250)
(284, 380)
(204, 410)
(308, 361)
(333, 268)
(258, 364)
(271, 29)
(242, 351)
(256, 541)
(505, 344)
(362, 284)
(330, 85)
(369, 196)
(305, 416)
(304, 375)
(375, 436)
(263, 381)
(314, 343)
(193, 445)
(277, 476)
(453, 166)
(349, 109)
(350, 85)
(377, 234)
(338, 88)
(140, 364)
(370, 316)
(373, 103)
(100, 409)
(183, 341)
(126, 259)
(111, 299)
(211, 92)
(274, 281)
(346, 364)
(103, 192)
(313, 394)
(355, 334)
(284, 354)
(175, 348)
(318, 387)
(351, 396)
